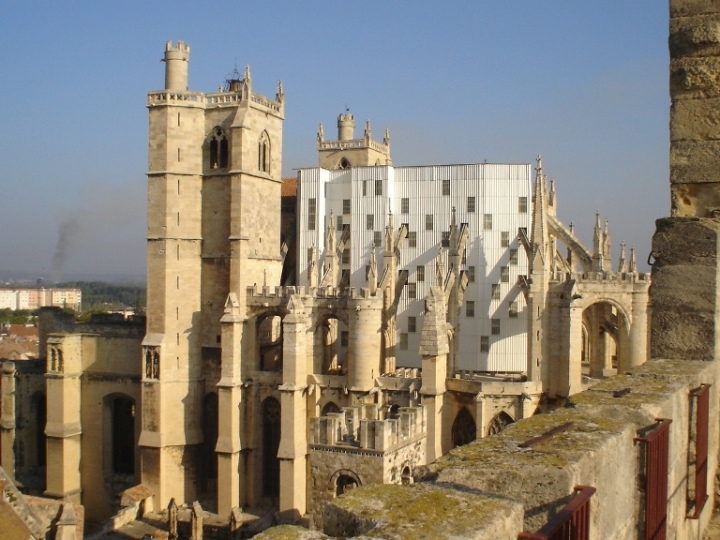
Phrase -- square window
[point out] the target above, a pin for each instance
(412, 239)
(412, 324)
(446, 187)
(487, 222)
(412, 290)
(420, 273)
(522, 205)
(495, 291)
(505, 274)
(484, 343)
(445, 239)
(346, 206)
(513, 256)
(346, 256)
(403, 341)
(428, 222)
(471, 274)
(369, 222)
(504, 239)
(471, 205)
(377, 238)
(469, 308)
(495, 330)
(513, 310)
(404, 206)
(378, 187)
(344, 338)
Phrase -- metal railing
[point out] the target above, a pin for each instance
(657, 443)
(572, 522)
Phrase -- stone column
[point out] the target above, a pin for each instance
(292, 451)
(63, 428)
(638, 329)
(365, 344)
(7, 418)
(229, 441)
(683, 296)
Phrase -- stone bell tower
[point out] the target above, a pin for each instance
(347, 151)
(213, 228)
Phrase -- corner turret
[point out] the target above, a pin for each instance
(176, 61)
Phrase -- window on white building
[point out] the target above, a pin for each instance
(312, 214)
(504, 239)
(495, 327)
(469, 308)
(505, 274)
(412, 325)
(484, 343)
(487, 222)
(495, 291)
(369, 222)
(346, 206)
(471, 205)
(513, 310)
(412, 239)
(513, 256)
(428, 222)
(446, 187)
(404, 205)
(378, 187)
(420, 273)
(522, 205)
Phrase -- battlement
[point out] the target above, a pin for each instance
(181, 46)
(352, 143)
(256, 293)
(601, 277)
(188, 98)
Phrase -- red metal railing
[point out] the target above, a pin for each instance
(572, 522)
(702, 416)
(657, 444)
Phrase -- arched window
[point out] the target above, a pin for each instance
(463, 429)
(219, 149)
(499, 422)
(344, 164)
(210, 436)
(39, 415)
(271, 443)
(264, 153)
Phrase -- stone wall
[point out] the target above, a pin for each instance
(516, 488)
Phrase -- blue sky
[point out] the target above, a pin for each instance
(584, 84)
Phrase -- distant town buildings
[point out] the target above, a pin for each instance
(15, 298)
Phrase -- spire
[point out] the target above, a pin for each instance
(539, 237)
(632, 267)
(621, 262)
(439, 268)
(551, 195)
(607, 255)
(279, 95)
(368, 131)
(386, 138)
(320, 134)
(247, 83)
(312, 267)
(331, 233)
(373, 271)
(454, 235)
(389, 244)
(597, 245)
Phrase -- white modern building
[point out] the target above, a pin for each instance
(494, 200)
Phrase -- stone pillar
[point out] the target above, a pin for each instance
(434, 349)
(365, 344)
(63, 428)
(638, 329)
(292, 451)
(7, 418)
(229, 441)
(684, 292)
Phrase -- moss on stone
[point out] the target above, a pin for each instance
(290, 532)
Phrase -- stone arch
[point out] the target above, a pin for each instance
(464, 429)
(330, 407)
(218, 149)
(344, 480)
(406, 476)
(270, 444)
(606, 325)
(344, 163)
(119, 440)
(499, 422)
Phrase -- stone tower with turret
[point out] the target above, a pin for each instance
(347, 151)
(213, 229)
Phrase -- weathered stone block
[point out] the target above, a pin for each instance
(686, 8)
(695, 36)
(695, 77)
(697, 120)
(682, 295)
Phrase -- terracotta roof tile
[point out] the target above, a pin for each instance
(289, 187)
